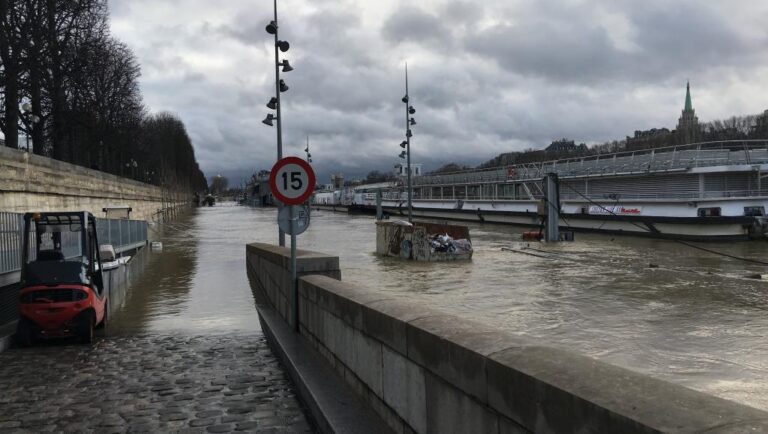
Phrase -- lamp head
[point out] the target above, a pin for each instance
(283, 46)
(272, 28)
(405, 99)
(283, 87)
(413, 121)
(408, 133)
(287, 66)
(272, 104)
(268, 120)
(411, 110)
(404, 144)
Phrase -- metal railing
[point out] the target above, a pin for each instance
(10, 242)
(674, 158)
(122, 234)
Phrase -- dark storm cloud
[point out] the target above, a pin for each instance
(411, 24)
(486, 77)
(566, 45)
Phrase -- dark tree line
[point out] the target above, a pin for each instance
(72, 89)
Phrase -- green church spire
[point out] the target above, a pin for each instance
(688, 105)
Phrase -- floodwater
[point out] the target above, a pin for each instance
(695, 319)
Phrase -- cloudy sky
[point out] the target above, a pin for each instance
(486, 77)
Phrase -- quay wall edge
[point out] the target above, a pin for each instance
(423, 370)
(31, 182)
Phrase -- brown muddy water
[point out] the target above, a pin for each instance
(695, 320)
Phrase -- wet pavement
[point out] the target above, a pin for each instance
(152, 384)
(183, 351)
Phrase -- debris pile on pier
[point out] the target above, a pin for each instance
(422, 241)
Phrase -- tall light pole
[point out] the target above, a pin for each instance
(406, 144)
(309, 156)
(274, 102)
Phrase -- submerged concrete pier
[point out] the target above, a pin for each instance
(422, 370)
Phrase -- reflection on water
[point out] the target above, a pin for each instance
(693, 320)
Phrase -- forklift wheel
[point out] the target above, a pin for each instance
(103, 323)
(85, 329)
(25, 333)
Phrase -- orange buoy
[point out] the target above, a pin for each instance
(532, 235)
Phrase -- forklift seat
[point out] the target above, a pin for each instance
(50, 255)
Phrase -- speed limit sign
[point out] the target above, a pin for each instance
(292, 181)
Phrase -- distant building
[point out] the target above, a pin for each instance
(337, 181)
(562, 145)
(402, 170)
(688, 129)
(653, 138)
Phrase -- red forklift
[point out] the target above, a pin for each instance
(62, 287)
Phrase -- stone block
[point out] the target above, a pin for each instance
(342, 299)
(367, 361)
(551, 390)
(508, 426)
(404, 389)
(386, 321)
(451, 411)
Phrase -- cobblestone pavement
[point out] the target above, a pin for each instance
(158, 384)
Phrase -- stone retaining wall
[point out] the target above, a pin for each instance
(30, 182)
(424, 370)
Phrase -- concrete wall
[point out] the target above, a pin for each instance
(427, 371)
(33, 183)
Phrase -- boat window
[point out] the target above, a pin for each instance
(709, 212)
(754, 211)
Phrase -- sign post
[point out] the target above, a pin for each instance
(292, 181)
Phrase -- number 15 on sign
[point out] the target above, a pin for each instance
(292, 181)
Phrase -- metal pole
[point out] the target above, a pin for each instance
(553, 211)
(294, 282)
(281, 234)
(408, 144)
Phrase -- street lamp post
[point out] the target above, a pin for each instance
(274, 102)
(309, 156)
(406, 144)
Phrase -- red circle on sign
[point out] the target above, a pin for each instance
(301, 197)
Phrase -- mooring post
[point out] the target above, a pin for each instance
(552, 192)
(294, 283)
(379, 212)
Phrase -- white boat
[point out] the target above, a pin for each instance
(702, 191)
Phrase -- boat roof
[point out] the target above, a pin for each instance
(681, 158)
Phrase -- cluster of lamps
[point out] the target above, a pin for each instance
(406, 144)
(274, 102)
(280, 87)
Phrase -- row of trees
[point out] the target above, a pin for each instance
(72, 89)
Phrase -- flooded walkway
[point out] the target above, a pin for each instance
(148, 384)
(183, 351)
